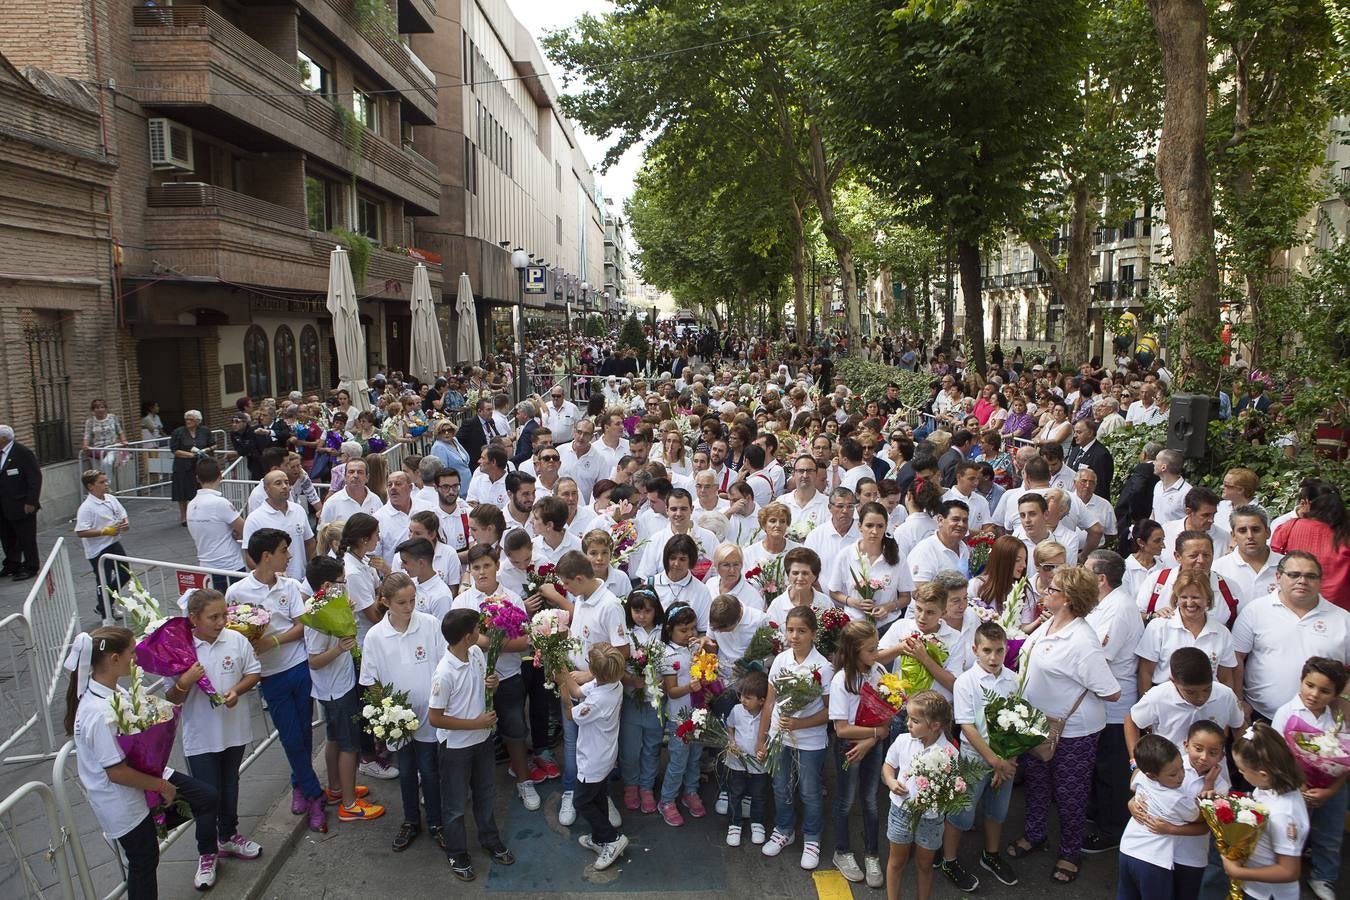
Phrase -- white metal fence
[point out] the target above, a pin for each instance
(143, 470)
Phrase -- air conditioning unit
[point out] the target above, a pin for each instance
(170, 145)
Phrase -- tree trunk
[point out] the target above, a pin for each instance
(1073, 281)
(968, 260)
(823, 177)
(801, 316)
(948, 301)
(1183, 173)
(927, 331)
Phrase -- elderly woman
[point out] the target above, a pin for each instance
(1067, 677)
(726, 577)
(774, 520)
(1020, 423)
(189, 442)
(102, 429)
(1057, 429)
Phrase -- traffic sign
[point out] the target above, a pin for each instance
(535, 278)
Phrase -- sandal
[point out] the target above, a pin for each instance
(1023, 847)
(1061, 874)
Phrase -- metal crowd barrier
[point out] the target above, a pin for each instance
(63, 844)
(45, 629)
(142, 470)
(165, 581)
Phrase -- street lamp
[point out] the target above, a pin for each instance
(519, 261)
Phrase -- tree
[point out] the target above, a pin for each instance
(631, 335)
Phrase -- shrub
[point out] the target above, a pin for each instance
(631, 335)
(869, 379)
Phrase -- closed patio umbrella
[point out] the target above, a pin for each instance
(347, 333)
(468, 348)
(427, 356)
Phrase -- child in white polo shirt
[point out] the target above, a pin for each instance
(457, 707)
(214, 737)
(928, 606)
(1272, 871)
(418, 558)
(1190, 694)
(1147, 855)
(597, 718)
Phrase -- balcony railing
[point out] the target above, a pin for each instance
(390, 50)
(199, 194)
(1025, 278)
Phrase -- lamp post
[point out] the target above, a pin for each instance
(519, 261)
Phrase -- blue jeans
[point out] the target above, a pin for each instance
(289, 704)
(1139, 880)
(569, 760)
(799, 772)
(639, 743)
(1326, 824)
(864, 774)
(220, 771)
(682, 768)
(419, 761)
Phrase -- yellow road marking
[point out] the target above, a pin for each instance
(831, 885)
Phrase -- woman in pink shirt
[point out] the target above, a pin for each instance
(1324, 531)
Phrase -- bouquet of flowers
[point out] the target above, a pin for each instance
(913, 676)
(624, 533)
(938, 780)
(536, 578)
(142, 609)
(768, 578)
(645, 662)
(1014, 725)
(330, 612)
(1010, 619)
(710, 731)
(800, 530)
(168, 649)
(793, 692)
(866, 585)
(1322, 755)
(876, 707)
(1236, 821)
(146, 725)
(704, 667)
(500, 620)
(832, 623)
(765, 643)
(388, 715)
(553, 646)
(248, 619)
(981, 545)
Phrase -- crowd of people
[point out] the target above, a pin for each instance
(1170, 632)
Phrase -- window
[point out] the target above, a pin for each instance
(557, 176)
(510, 156)
(470, 166)
(1127, 229)
(369, 219)
(557, 227)
(285, 351)
(257, 378)
(314, 76)
(1127, 281)
(320, 203)
(367, 109)
(309, 358)
(45, 338)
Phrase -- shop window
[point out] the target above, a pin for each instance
(257, 376)
(309, 358)
(285, 350)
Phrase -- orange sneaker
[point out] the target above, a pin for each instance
(359, 811)
(331, 797)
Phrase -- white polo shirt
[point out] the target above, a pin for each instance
(1005, 513)
(508, 663)
(406, 660)
(687, 590)
(454, 525)
(913, 529)
(968, 700)
(1136, 574)
(899, 756)
(1171, 715)
(293, 521)
(459, 689)
(362, 580)
(561, 421)
(742, 590)
(586, 470)
(846, 569)
(433, 598)
(482, 489)
(1245, 580)
(979, 507)
(828, 543)
(340, 506)
(334, 680)
(1277, 643)
(652, 554)
(732, 643)
(1174, 805)
(1117, 623)
(117, 807)
(211, 521)
(1163, 637)
(1102, 512)
(930, 556)
(393, 530)
(597, 719)
(1217, 534)
(1218, 613)
(284, 601)
(597, 619)
(1059, 666)
(546, 555)
(211, 729)
(816, 510)
(96, 513)
(1285, 834)
(1169, 503)
(816, 737)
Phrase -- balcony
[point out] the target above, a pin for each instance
(1007, 280)
(199, 229)
(416, 16)
(199, 68)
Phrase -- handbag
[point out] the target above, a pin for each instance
(1045, 751)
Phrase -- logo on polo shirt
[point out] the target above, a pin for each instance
(1319, 627)
(420, 654)
(227, 664)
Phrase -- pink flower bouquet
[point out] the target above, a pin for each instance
(168, 650)
(1323, 755)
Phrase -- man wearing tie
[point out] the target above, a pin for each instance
(1087, 453)
(20, 490)
(475, 433)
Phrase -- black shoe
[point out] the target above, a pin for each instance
(1099, 843)
(995, 864)
(407, 833)
(958, 876)
(503, 857)
(24, 576)
(437, 833)
(462, 867)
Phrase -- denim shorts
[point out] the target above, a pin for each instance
(342, 720)
(927, 835)
(996, 801)
(509, 703)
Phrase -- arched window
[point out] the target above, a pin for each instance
(286, 377)
(257, 377)
(309, 358)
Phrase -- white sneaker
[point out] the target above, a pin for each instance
(745, 807)
(777, 841)
(756, 833)
(876, 879)
(589, 843)
(614, 818)
(847, 865)
(1322, 890)
(206, 872)
(722, 806)
(811, 855)
(239, 847)
(567, 813)
(376, 769)
(733, 836)
(610, 853)
(528, 795)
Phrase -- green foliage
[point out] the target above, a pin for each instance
(631, 335)
(359, 249)
(352, 135)
(1317, 310)
(869, 379)
(377, 16)
(1125, 445)
(595, 327)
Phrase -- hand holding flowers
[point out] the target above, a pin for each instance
(388, 715)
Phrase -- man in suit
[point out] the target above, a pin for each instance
(527, 423)
(475, 432)
(20, 492)
(1087, 452)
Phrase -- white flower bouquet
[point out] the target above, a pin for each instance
(388, 715)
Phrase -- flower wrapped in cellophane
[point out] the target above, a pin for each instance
(249, 619)
(1236, 821)
(1014, 725)
(146, 725)
(704, 669)
(764, 645)
(1322, 755)
(330, 612)
(388, 715)
(552, 645)
(141, 608)
(707, 729)
(800, 530)
(626, 543)
(832, 623)
(169, 649)
(500, 620)
(939, 781)
(913, 676)
(645, 662)
(793, 691)
(767, 577)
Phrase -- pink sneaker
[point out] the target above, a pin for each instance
(630, 797)
(299, 803)
(671, 814)
(648, 802)
(695, 806)
(318, 819)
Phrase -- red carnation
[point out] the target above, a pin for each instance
(675, 665)
(1224, 813)
(754, 573)
(815, 673)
